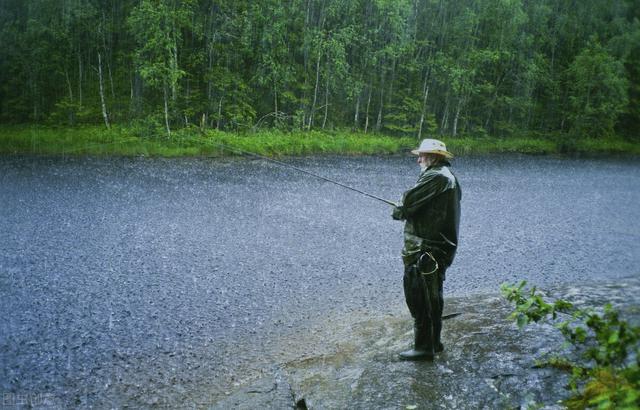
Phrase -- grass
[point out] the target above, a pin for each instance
(488, 145)
(122, 141)
(609, 145)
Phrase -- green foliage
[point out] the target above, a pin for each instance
(469, 67)
(156, 26)
(607, 375)
(147, 128)
(401, 119)
(598, 92)
(147, 137)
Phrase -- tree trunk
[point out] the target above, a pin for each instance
(219, 119)
(455, 119)
(209, 35)
(425, 94)
(109, 54)
(166, 109)
(79, 80)
(326, 100)
(529, 104)
(275, 105)
(490, 106)
(209, 82)
(355, 117)
(131, 101)
(35, 103)
(305, 52)
(445, 117)
(380, 107)
(70, 88)
(174, 68)
(315, 92)
(415, 20)
(32, 92)
(423, 113)
(366, 122)
(105, 116)
(308, 15)
(443, 22)
(393, 78)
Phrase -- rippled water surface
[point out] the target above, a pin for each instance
(145, 281)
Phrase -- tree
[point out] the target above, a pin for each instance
(156, 25)
(597, 92)
(496, 67)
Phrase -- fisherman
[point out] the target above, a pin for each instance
(431, 210)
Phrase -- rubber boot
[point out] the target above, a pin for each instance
(423, 348)
(437, 329)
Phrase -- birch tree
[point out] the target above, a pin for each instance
(156, 25)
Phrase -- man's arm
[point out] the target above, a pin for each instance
(428, 186)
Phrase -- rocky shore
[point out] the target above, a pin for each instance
(488, 362)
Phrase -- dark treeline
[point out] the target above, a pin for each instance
(499, 67)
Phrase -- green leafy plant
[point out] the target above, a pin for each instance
(606, 373)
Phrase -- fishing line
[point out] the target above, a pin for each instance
(284, 164)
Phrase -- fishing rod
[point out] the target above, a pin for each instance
(284, 164)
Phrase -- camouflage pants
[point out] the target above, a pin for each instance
(424, 297)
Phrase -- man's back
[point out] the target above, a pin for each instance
(432, 212)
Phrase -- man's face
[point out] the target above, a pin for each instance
(424, 160)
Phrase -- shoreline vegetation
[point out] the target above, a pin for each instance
(193, 142)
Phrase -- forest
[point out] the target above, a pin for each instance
(398, 67)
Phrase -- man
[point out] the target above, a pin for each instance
(431, 210)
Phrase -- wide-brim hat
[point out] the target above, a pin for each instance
(431, 146)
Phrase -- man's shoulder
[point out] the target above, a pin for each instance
(440, 175)
(446, 173)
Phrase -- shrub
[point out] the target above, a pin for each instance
(607, 374)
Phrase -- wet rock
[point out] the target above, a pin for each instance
(487, 362)
(269, 392)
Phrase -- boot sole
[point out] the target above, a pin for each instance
(416, 357)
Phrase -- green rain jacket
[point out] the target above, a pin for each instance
(432, 213)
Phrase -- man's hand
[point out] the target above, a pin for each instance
(397, 213)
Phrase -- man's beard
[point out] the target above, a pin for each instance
(423, 166)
